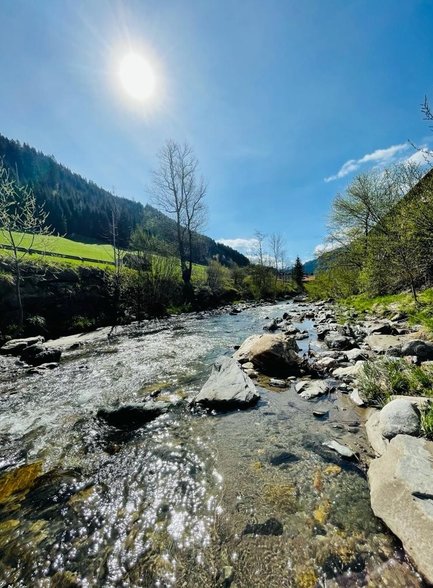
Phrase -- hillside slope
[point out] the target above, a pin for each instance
(78, 208)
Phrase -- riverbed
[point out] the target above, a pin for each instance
(243, 499)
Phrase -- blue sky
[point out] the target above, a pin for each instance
(282, 100)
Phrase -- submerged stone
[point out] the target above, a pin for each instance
(19, 479)
(271, 526)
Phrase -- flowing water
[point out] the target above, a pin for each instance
(244, 499)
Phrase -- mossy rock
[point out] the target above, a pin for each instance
(19, 480)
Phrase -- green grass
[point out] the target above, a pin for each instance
(427, 421)
(382, 378)
(421, 314)
(100, 252)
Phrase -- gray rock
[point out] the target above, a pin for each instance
(17, 346)
(401, 490)
(132, 416)
(37, 355)
(422, 349)
(277, 383)
(384, 328)
(335, 341)
(342, 450)
(227, 387)
(374, 433)
(349, 373)
(309, 389)
(399, 417)
(273, 355)
(356, 354)
(382, 343)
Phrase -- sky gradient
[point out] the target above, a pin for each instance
(282, 101)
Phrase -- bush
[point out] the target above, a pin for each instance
(381, 379)
(427, 421)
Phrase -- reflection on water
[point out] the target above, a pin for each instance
(245, 499)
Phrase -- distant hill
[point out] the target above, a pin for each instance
(78, 208)
(310, 266)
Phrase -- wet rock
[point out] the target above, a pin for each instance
(399, 417)
(271, 526)
(272, 327)
(277, 383)
(356, 354)
(320, 414)
(227, 387)
(401, 483)
(342, 450)
(19, 479)
(326, 363)
(273, 355)
(132, 416)
(423, 350)
(283, 458)
(17, 346)
(309, 389)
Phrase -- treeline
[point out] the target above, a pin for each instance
(78, 208)
(381, 235)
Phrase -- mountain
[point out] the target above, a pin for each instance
(78, 208)
(310, 266)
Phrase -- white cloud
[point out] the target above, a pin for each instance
(421, 157)
(324, 248)
(245, 246)
(378, 157)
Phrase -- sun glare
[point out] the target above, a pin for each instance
(137, 76)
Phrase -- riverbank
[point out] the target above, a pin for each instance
(252, 497)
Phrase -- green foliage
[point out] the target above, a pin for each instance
(298, 273)
(382, 378)
(427, 420)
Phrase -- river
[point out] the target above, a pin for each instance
(244, 499)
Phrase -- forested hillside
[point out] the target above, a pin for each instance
(79, 208)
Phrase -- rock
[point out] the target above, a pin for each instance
(401, 491)
(335, 341)
(18, 479)
(349, 373)
(273, 355)
(326, 363)
(382, 343)
(252, 374)
(323, 331)
(374, 433)
(319, 414)
(382, 329)
(356, 398)
(340, 449)
(227, 576)
(271, 526)
(399, 417)
(227, 387)
(423, 350)
(272, 327)
(37, 355)
(399, 316)
(49, 366)
(132, 416)
(309, 389)
(356, 354)
(277, 383)
(248, 365)
(283, 458)
(16, 346)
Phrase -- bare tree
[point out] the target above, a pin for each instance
(179, 191)
(21, 222)
(259, 252)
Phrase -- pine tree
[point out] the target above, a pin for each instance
(298, 273)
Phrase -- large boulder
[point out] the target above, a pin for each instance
(350, 373)
(399, 417)
(227, 387)
(309, 389)
(385, 343)
(401, 489)
(273, 355)
(423, 350)
(17, 346)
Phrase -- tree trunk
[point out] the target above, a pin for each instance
(18, 293)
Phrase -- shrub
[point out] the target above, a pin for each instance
(381, 379)
(427, 421)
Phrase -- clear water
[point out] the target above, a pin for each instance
(247, 499)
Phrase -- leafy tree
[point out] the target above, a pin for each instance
(20, 216)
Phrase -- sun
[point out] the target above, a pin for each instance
(137, 77)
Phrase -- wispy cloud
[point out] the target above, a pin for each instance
(324, 248)
(378, 157)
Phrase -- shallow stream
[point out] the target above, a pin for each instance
(244, 499)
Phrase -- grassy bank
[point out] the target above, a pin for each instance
(421, 314)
